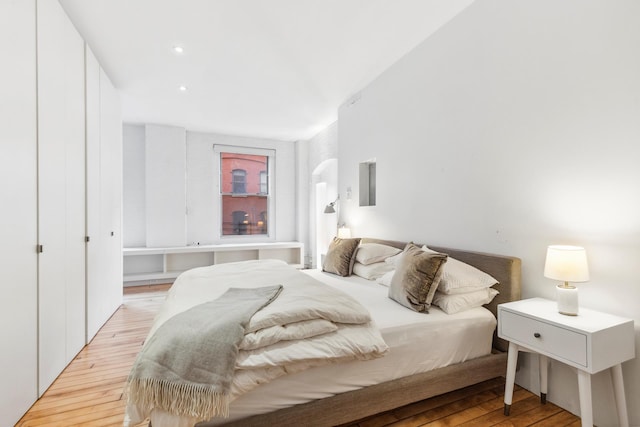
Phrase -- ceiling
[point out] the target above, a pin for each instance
(263, 68)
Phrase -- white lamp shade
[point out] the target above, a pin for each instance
(344, 233)
(566, 263)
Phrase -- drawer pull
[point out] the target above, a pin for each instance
(537, 334)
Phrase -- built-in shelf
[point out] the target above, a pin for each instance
(162, 265)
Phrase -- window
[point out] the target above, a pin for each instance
(263, 182)
(262, 223)
(239, 181)
(240, 222)
(245, 197)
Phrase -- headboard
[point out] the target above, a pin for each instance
(505, 269)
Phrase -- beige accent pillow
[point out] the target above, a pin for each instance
(340, 256)
(370, 253)
(416, 278)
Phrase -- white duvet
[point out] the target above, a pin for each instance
(309, 324)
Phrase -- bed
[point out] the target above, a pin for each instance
(339, 393)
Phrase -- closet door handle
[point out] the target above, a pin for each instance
(537, 334)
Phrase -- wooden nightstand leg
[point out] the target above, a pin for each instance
(584, 388)
(544, 364)
(618, 392)
(512, 361)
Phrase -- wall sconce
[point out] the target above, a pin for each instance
(567, 264)
(330, 208)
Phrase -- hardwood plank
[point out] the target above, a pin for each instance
(424, 405)
(495, 408)
(530, 417)
(89, 392)
(470, 402)
(563, 418)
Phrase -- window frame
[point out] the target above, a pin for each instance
(218, 149)
(263, 183)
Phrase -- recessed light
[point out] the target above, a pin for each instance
(182, 88)
(178, 49)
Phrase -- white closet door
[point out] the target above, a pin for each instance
(96, 246)
(61, 191)
(104, 197)
(111, 189)
(18, 233)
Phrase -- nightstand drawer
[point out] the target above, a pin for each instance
(544, 337)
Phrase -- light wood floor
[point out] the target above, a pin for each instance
(89, 392)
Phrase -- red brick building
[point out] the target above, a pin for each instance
(244, 194)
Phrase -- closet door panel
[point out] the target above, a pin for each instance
(51, 201)
(104, 197)
(75, 198)
(96, 269)
(111, 189)
(18, 234)
(61, 191)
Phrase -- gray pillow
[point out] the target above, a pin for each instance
(416, 278)
(340, 256)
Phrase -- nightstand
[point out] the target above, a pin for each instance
(590, 342)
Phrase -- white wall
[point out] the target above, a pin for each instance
(165, 185)
(323, 189)
(323, 146)
(303, 202)
(196, 169)
(514, 127)
(133, 191)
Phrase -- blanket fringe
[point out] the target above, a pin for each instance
(194, 400)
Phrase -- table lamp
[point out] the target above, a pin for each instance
(567, 264)
(344, 232)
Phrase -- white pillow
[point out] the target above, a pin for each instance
(394, 260)
(371, 271)
(370, 253)
(459, 277)
(456, 303)
(386, 278)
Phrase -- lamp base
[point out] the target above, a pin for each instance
(567, 297)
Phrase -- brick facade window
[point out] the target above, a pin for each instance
(244, 192)
(239, 181)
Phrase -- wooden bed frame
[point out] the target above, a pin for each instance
(353, 405)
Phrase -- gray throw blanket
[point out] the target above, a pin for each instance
(187, 366)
